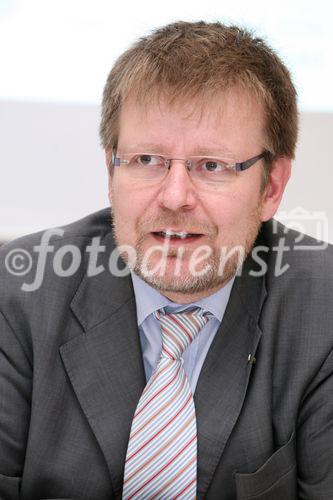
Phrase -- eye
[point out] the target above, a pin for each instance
(148, 160)
(210, 165)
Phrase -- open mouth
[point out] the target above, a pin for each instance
(174, 236)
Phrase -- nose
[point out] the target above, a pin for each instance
(177, 190)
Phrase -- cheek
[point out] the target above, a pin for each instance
(225, 208)
(129, 205)
(235, 213)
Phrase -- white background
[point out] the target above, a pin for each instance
(55, 56)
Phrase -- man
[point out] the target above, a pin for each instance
(207, 369)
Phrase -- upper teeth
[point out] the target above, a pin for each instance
(169, 233)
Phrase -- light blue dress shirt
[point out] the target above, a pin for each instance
(148, 300)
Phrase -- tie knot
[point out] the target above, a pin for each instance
(179, 329)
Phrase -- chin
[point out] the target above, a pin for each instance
(185, 282)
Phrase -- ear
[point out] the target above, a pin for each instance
(277, 181)
(108, 158)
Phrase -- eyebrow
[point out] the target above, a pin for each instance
(144, 146)
(159, 148)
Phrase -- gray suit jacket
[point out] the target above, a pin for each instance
(71, 374)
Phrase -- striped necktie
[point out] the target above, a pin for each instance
(161, 459)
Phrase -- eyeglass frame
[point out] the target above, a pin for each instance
(116, 161)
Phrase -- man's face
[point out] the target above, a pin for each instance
(218, 218)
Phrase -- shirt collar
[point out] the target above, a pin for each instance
(148, 300)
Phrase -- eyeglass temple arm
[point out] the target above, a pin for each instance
(248, 163)
(115, 161)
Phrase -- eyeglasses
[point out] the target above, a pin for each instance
(154, 167)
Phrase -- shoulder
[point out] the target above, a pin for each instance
(296, 256)
(30, 263)
(299, 287)
(96, 224)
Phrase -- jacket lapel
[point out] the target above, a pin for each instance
(224, 377)
(105, 365)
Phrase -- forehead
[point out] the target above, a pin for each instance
(217, 121)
